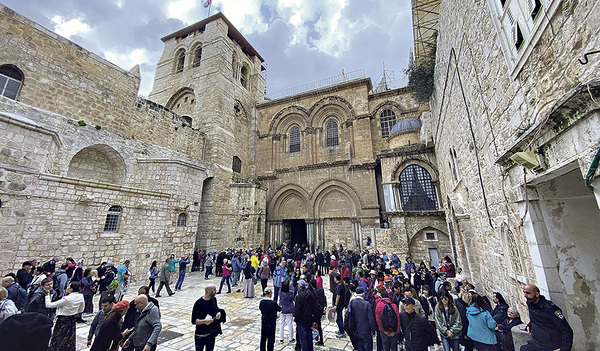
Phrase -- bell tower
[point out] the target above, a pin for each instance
(210, 75)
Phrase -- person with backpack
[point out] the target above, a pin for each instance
(106, 281)
(448, 322)
(388, 322)
(338, 305)
(60, 280)
(360, 322)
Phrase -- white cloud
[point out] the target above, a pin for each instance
(183, 10)
(129, 59)
(245, 15)
(69, 28)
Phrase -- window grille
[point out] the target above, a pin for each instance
(387, 121)
(113, 218)
(430, 236)
(332, 133)
(180, 62)
(259, 225)
(294, 139)
(417, 192)
(182, 220)
(11, 80)
(237, 165)
(197, 56)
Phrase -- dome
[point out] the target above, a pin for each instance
(405, 125)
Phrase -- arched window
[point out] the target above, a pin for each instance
(332, 133)
(113, 217)
(294, 139)
(197, 56)
(237, 165)
(244, 76)
(182, 220)
(180, 61)
(11, 80)
(417, 192)
(387, 119)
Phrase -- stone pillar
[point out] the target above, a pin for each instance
(396, 195)
(357, 231)
(543, 256)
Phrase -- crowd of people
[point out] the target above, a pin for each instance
(374, 296)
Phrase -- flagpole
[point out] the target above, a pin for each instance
(209, 7)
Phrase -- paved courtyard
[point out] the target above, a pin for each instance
(241, 332)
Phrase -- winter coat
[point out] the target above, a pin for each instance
(165, 273)
(87, 283)
(454, 324)
(286, 301)
(364, 321)
(380, 305)
(481, 325)
(38, 303)
(500, 312)
(417, 331)
(147, 327)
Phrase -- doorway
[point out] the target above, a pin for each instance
(434, 258)
(295, 230)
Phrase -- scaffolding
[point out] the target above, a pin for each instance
(425, 16)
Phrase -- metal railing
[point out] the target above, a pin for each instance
(346, 76)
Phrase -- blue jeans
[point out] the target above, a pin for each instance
(450, 344)
(305, 337)
(180, 280)
(389, 343)
(234, 278)
(223, 280)
(276, 293)
(208, 271)
(339, 319)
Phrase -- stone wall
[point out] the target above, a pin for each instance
(49, 212)
(539, 107)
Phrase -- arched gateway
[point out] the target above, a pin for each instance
(328, 215)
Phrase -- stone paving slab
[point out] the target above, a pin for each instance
(241, 332)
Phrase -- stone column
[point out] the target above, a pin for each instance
(311, 236)
(543, 256)
(389, 198)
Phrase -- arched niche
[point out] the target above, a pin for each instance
(100, 163)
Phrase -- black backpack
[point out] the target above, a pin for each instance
(389, 318)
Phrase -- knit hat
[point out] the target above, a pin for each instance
(360, 290)
(408, 301)
(121, 306)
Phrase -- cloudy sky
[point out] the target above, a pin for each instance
(301, 41)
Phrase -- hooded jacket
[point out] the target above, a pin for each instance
(481, 325)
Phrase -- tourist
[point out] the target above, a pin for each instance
(304, 315)
(461, 303)
(89, 285)
(122, 276)
(439, 281)
(458, 279)
(105, 280)
(503, 330)
(428, 302)
(7, 307)
(225, 275)
(499, 313)
(418, 333)
(207, 317)
(408, 265)
(361, 322)
(278, 278)
(321, 301)
(152, 275)
(388, 325)
(109, 333)
(448, 322)
(236, 266)
(24, 275)
(68, 307)
(38, 276)
(286, 302)
(106, 306)
(248, 280)
(264, 273)
(16, 293)
(268, 309)
(37, 303)
(163, 278)
(183, 262)
(338, 297)
(208, 262)
(147, 327)
(172, 262)
(50, 266)
(481, 324)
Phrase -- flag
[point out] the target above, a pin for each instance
(207, 3)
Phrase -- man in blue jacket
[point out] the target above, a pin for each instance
(548, 327)
(236, 265)
(278, 277)
(361, 327)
